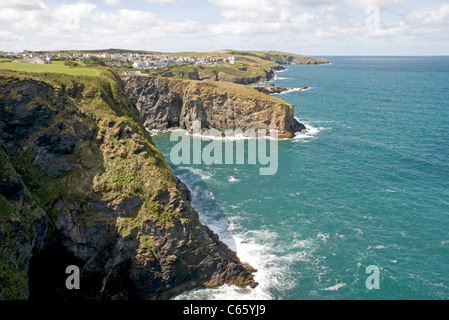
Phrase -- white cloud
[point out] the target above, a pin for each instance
(386, 5)
(429, 15)
(112, 2)
(124, 20)
(23, 9)
(422, 23)
(37, 18)
(254, 10)
(256, 17)
(22, 5)
(253, 22)
(162, 1)
(6, 36)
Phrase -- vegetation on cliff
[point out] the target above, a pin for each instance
(82, 182)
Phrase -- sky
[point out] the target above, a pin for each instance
(310, 27)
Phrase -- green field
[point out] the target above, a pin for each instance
(56, 67)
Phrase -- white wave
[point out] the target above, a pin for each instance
(292, 90)
(232, 179)
(199, 172)
(323, 236)
(229, 138)
(379, 247)
(216, 136)
(309, 132)
(335, 287)
(158, 131)
(279, 78)
(256, 247)
(260, 248)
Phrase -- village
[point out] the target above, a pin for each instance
(129, 59)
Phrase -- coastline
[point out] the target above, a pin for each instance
(139, 230)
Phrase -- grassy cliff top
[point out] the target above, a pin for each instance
(56, 67)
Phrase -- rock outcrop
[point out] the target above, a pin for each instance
(164, 103)
(287, 58)
(269, 89)
(81, 183)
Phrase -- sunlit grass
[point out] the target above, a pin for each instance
(56, 67)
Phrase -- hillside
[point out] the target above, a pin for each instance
(82, 183)
(251, 66)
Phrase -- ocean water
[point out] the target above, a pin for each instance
(367, 185)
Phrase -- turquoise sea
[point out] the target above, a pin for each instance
(367, 185)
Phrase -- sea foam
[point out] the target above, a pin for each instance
(256, 247)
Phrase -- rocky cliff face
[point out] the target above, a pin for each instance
(82, 183)
(164, 103)
(301, 60)
(286, 58)
(201, 75)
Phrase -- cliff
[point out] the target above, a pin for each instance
(290, 58)
(81, 183)
(164, 103)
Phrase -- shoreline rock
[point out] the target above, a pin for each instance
(269, 89)
(272, 89)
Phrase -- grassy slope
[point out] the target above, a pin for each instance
(56, 67)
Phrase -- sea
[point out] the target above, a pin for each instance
(359, 206)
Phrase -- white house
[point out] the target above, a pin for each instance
(132, 73)
(231, 60)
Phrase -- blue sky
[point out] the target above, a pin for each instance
(312, 27)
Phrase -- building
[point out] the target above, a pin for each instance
(134, 73)
(231, 60)
(35, 60)
(38, 60)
